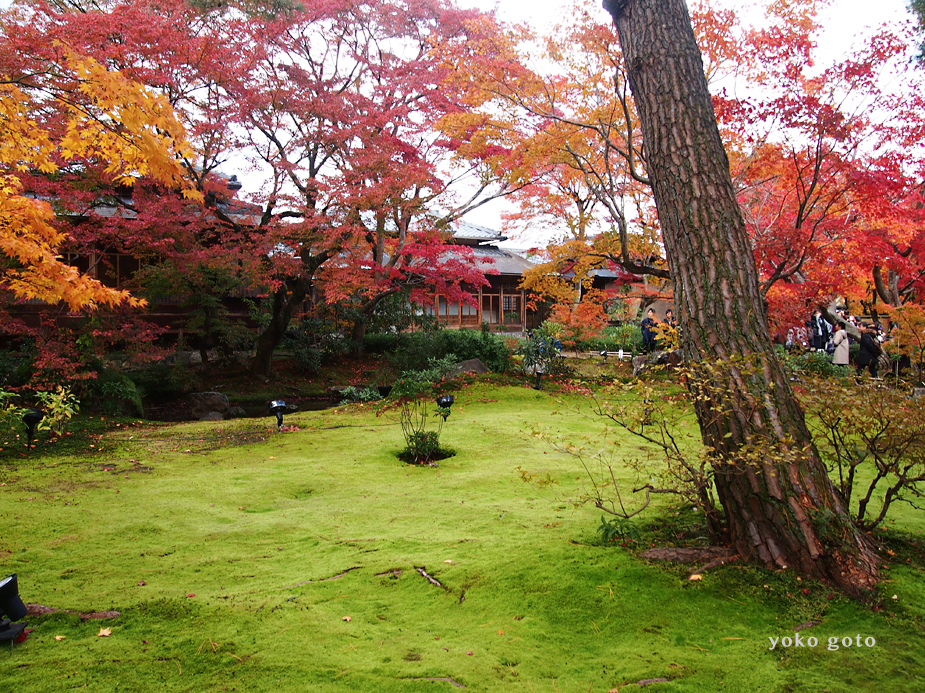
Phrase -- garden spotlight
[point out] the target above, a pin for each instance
(278, 406)
(12, 606)
(31, 418)
(445, 402)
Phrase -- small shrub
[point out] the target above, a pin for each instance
(11, 423)
(114, 394)
(542, 352)
(313, 341)
(352, 395)
(15, 369)
(416, 392)
(307, 356)
(59, 406)
(422, 445)
(873, 441)
(163, 380)
(617, 528)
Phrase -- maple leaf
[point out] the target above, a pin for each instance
(104, 633)
(60, 637)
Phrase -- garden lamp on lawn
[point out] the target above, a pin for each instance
(278, 406)
(445, 402)
(31, 418)
(11, 605)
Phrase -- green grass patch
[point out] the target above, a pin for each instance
(243, 559)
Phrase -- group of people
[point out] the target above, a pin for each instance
(650, 325)
(824, 336)
(835, 340)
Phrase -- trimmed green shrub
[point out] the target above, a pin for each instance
(380, 342)
(412, 351)
(627, 336)
(810, 363)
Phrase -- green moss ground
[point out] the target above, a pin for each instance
(253, 547)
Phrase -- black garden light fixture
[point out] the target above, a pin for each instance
(278, 406)
(11, 605)
(31, 418)
(445, 402)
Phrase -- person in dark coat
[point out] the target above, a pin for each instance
(648, 330)
(819, 329)
(869, 353)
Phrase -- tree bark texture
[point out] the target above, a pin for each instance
(781, 508)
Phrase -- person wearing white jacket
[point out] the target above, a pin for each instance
(840, 340)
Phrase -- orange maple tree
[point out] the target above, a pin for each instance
(76, 110)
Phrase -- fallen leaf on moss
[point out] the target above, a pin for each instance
(346, 618)
(104, 633)
(695, 577)
(60, 637)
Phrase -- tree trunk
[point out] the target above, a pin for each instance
(285, 300)
(364, 315)
(357, 332)
(780, 506)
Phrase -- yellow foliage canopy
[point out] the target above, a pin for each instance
(108, 119)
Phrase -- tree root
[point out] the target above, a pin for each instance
(446, 679)
(431, 579)
(340, 575)
(714, 555)
(673, 554)
(39, 610)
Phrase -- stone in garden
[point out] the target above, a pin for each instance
(205, 402)
(212, 416)
(469, 366)
(640, 363)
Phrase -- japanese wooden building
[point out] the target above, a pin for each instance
(502, 304)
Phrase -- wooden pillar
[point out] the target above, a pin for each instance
(501, 307)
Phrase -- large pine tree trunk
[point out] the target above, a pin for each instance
(781, 509)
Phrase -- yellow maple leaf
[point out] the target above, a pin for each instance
(104, 633)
